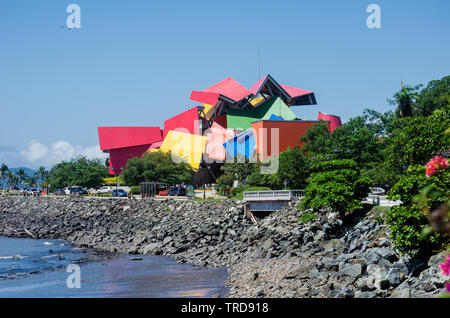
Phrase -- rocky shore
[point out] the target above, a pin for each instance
(279, 257)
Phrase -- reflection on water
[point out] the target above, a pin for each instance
(152, 276)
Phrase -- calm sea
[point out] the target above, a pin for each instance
(38, 268)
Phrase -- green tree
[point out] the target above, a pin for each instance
(293, 168)
(404, 99)
(337, 184)
(357, 139)
(80, 171)
(417, 139)
(436, 95)
(317, 141)
(157, 167)
(381, 124)
(239, 170)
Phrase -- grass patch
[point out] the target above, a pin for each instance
(209, 199)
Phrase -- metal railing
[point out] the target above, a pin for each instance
(268, 195)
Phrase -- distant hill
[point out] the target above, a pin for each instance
(28, 171)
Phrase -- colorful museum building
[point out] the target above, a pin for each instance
(230, 121)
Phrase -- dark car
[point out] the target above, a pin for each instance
(77, 190)
(119, 193)
(177, 191)
(59, 192)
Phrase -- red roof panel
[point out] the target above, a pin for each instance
(121, 137)
(294, 91)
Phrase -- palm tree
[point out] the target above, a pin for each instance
(41, 175)
(30, 181)
(3, 170)
(13, 179)
(22, 175)
(404, 99)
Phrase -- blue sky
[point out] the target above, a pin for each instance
(134, 63)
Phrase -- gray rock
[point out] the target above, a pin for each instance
(371, 256)
(353, 271)
(394, 277)
(435, 260)
(151, 248)
(365, 294)
(334, 244)
(301, 271)
(387, 254)
(401, 293)
(167, 240)
(268, 244)
(281, 230)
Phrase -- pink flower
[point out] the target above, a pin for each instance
(447, 287)
(445, 267)
(435, 164)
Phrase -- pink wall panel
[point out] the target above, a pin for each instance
(118, 157)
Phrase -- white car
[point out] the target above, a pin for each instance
(106, 189)
(34, 192)
(66, 190)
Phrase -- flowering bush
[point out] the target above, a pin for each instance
(445, 268)
(420, 194)
(435, 164)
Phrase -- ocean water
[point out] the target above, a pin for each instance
(38, 268)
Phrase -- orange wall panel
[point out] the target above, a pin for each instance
(289, 133)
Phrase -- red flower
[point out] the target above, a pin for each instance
(435, 164)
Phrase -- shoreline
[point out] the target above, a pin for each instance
(277, 258)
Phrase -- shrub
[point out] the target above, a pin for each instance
(337, 184)
(308, 217)
(408, 221)
(135, 189)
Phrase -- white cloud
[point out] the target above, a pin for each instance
(38, 154)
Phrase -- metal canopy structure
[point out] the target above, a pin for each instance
(292, 96)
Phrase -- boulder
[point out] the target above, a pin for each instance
(353, 271)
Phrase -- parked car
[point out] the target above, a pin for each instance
(105, 189)
(77, 190)
(377, 191)
(33, 191)
(59, 192)
(177, 191)
(119, 193)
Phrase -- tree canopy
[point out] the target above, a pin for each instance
(156, 167)
(81, 171)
